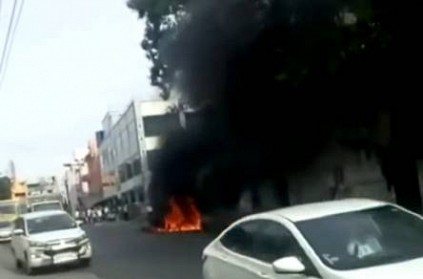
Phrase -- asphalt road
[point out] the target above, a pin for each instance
(123, 251)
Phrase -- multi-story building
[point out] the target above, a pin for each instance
(92, 179)
(72, 184)
(130, 145)
(107, 156)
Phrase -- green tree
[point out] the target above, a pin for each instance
(5, 191)
(162, 17)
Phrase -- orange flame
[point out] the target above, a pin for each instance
(183, 216)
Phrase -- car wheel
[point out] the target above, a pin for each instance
(18, 264)
(27, 267)
(85, 262)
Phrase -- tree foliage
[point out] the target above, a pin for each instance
(5, 191)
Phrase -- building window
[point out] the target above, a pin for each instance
(160, 124)
(141, 195)
(132, 138)
(136, 166)
(124, 143)
(122, 173)
(129, 172)
(112, 158)
(132, 196)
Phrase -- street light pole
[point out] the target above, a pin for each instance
(67, 193)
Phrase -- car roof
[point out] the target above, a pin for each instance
(321, 209)
(43, 202)
(39, 214)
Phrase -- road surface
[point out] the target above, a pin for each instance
(123, 251)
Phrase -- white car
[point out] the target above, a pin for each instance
(347, 239)
(6, 228)
(49, 238)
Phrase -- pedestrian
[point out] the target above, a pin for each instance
(99, 212)
(90, 215)
(120, 212)
(125, 212)
(84, 216)
(106, 212)
(77, 214)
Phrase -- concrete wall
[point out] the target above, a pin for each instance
(339, 173)
(322, 181)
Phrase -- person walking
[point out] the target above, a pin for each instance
(99, 212)
(125, 212)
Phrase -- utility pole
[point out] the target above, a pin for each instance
(67, 193)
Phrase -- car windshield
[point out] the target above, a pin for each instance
(5, 224)
(50, 223)
(7, 209)
(365, 238)
(47, 206)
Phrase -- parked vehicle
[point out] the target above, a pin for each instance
(46, 205)
(352, 239)
(111, 216)
(49, 238)
(6, 229)
(9, 211)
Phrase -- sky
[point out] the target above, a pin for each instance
(71, 61)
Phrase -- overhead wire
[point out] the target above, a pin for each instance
(10, 36)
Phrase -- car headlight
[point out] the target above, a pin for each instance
(83, 239)
(84, 249)
(36, 244)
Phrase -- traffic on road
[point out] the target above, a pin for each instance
(345, 239)
(210, 139)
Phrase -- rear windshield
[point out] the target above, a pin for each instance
(47, 206)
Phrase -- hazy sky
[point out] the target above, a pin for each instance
(71, 61)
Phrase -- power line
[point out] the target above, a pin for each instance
(9, 32)
(10, 36)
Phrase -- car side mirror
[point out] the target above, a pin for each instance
(288, 265)
(79, 222)
(18, 232)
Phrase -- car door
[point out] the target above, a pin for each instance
(231, 259)
(274, 241)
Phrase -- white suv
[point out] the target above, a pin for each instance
(49, 238)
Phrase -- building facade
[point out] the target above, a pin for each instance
(130, 145)
(92, 179)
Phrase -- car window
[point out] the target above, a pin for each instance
(274, 241)
(46, 206)
(264, 240)
(240, 238)
(366, 238)
(50, 223)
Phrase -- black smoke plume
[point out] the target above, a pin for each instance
(281, 80)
